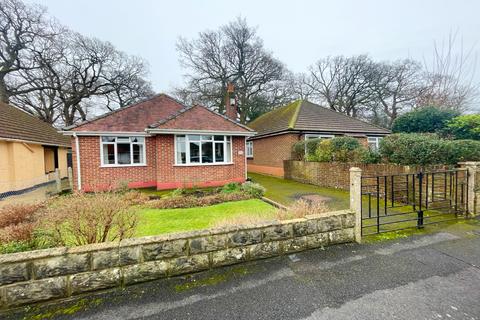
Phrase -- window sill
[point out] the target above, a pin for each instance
(123, 165)
(249, 157)
(203, 164)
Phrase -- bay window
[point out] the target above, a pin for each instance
(202, 149)
(122, 151)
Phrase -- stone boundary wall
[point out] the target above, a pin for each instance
(337, 175)
(57, 273)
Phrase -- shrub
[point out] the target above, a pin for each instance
(231, 187)
(178, 192)
(368, 156)
(463, 150)
(192, 201)
(303, 150)
(324, 152)
(464, 127)
(302, 208)
(17, 222)
(416, 149)
(82, 218)
(424, 120)
(134, 197)
(253, 189)
(340, 149)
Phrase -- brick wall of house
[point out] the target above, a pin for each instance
(159, 171)
(170, 176)
(96, 177)
(269, 153)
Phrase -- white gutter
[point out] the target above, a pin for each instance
(77, 155)
(104, 133)
(213, 132)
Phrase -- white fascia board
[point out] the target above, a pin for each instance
(105, 133)
(212, 132)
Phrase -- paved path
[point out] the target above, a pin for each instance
(433, 276)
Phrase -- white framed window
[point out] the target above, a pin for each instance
(122, 151)
(194, 149)
(374, 143)
(249, 150)
(309, 136)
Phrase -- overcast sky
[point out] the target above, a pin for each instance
(297, 32)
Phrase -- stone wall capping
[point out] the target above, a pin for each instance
(94, 247)
(328, 214)
(32, 255)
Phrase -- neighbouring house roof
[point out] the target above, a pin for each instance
(161, 112)
(16, 124)
(302, 115)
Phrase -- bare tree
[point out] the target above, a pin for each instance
(343, 83)
(396, 87)
(449, 78)
(232, 53)
(80, 75)
(22, 29)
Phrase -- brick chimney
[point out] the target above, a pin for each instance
(231, 102)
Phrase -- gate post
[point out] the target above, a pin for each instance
(473, 187)
(356, 200)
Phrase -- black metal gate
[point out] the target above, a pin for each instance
(397, 202)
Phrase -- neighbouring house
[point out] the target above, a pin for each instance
(278, 130)
(159, 143)
(30, 151)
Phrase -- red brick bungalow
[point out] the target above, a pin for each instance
(158, 143)
(278, 130)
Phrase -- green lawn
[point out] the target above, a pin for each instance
(287, 191)
(161, 221)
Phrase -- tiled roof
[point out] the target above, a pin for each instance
(303, 115)
(133, 118)
(19, 125)
(199, 118)
(160, 112)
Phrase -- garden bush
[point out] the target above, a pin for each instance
(302, 208)
(415, 149)
(424, 120)
(303, 150)
(463, 150)
(464, 127)
(82, 218)
(253, 189)
(135, 197)
(231, 187)
(17, 222)
(191, 201)
(427, 149)
(340, 149)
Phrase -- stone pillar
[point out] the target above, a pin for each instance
(356, 200)
(58, 181)
(70, 177)
(473, 169)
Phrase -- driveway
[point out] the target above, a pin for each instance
(432, 276)
(287, 191)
